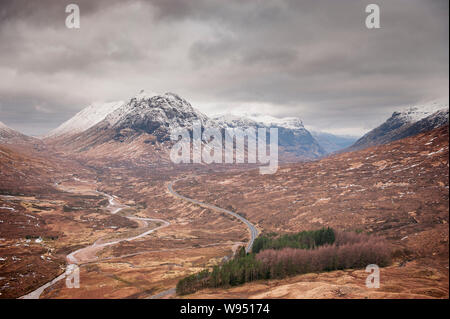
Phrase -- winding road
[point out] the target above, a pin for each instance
(88, 254)
(250, 226)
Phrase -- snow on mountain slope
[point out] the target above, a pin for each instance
(413, 114)
(408, 122)
(3, 127)
(292, 135)
(146, 117)
(151, 119)
(293, 123)
(167, 109)
(235, 121)
(158, 115)
(85, 119)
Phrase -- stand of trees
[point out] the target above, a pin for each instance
(302, 240)
(275, 256)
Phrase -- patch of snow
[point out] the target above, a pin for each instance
(258, 120)
(4, 127)
(431, 141)
(437, 152)
(404, 169)
(144, 95)
(293, 123)
(168, 110)
(86, 118)
(413, 114)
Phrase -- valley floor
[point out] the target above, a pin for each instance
(49, 209)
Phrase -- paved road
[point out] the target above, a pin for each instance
(83, 253)
(114, 208)
(251, 227)
(164, 293)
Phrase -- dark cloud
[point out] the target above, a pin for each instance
(312, 59)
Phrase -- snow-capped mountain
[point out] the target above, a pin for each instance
(137, 129)
(293, 123)
(147, 120)
(235, 121)
(293, 138)
(413, 114)
(84, 119)
(408, 122)
(155, 114)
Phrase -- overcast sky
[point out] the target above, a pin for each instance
(312, 59)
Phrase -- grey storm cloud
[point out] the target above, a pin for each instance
(311, 59)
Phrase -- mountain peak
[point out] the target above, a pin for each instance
(155, 114)
(144, 95)
(235, 121)
(293, 123)
(147, 95)
(404, 123)
(415, 113)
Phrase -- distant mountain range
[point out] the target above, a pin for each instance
(148, 119)
(141, 127)
(405, 123)
(331, 142)
(293, 138)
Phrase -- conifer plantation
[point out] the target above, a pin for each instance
(278, 256)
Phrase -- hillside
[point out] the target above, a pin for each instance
(409, 122)
(11, 137)
(398, 190)
(84, 119)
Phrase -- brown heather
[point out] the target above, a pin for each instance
(350, 250)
